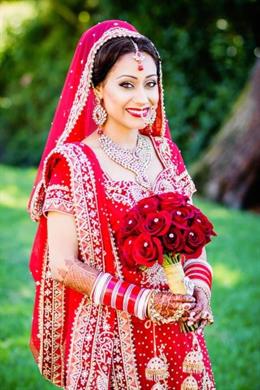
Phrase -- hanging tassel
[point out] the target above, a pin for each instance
(156, 370)
(193, 363)
(189, 383)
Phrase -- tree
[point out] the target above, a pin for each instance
(229, 171)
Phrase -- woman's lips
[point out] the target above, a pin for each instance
(138, 113)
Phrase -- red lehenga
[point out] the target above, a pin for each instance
(77, 344)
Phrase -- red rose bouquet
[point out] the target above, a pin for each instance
(164, 228)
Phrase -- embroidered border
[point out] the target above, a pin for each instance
(58, 197)
(51, 327)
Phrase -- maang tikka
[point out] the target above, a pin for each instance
(99, 114)
(138, 56)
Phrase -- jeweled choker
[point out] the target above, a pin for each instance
(136, 160)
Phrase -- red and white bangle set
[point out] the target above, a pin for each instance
(198, 270)
(120, 295)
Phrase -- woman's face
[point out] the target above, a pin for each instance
(128, 93)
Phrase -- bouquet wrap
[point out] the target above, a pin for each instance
(175, 277)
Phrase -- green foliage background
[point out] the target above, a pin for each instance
(207, 50)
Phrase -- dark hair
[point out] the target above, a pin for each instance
(109, 53)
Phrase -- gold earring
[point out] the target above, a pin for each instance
(149, 120)
(99, 115)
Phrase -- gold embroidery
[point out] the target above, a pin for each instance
(154, 277)
(51, 313)
(58, 197)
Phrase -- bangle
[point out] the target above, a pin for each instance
(101, 285)
(120, 295)
(141, 308)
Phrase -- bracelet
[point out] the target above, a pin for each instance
(103, 280)
(198, 270)
(120, 295)
(156, 317)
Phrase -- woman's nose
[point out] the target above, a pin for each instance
(141, 97)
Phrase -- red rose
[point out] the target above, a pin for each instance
(127, 251)
(157, 224)
(148, 205)
(171, 200)
(130, 225)
(182, 217)
(205, 224)
(195, 239)
(147, 250)
(173, 240)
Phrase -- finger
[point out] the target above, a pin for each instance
(187, 309)
(204, 314)
(182, 298)
(188, 306)
(197, 309)
(202, 325)
(210, 319)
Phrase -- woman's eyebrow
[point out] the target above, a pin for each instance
(133, 77)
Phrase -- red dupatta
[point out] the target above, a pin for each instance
(61, 315)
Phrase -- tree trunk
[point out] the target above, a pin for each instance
(229, 171)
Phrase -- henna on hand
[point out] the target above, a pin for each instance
(201, 314)
(78, 276)
(170, 306)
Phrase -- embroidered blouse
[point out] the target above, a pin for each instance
(122, 195)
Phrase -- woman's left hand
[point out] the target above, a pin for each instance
(201, 314)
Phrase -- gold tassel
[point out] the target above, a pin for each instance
(189, 383)
(193, 363)
(156, 369)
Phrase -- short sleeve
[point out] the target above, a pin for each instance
(58, 192)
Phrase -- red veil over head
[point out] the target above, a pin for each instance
(73, 117)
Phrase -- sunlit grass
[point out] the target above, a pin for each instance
(234, 339)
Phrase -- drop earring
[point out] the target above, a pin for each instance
(99, 115)
(150, 118)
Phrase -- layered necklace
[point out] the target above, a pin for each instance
(136, 160)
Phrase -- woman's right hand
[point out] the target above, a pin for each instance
(170, 307)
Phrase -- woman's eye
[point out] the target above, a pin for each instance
(151, 84)
(126, 85)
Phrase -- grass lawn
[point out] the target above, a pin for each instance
(233, 341)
